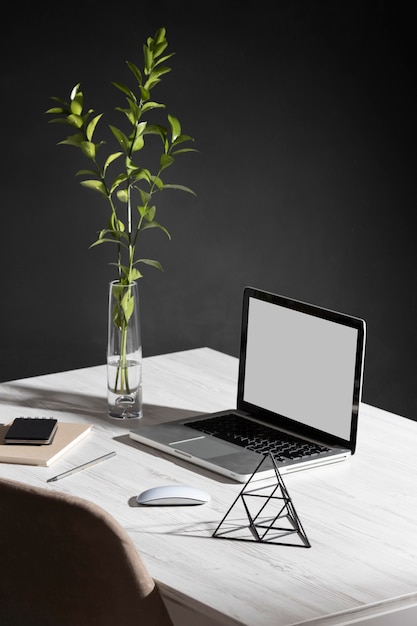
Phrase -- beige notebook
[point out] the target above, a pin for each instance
(67, 435)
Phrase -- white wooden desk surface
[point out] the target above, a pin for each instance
(360, 516)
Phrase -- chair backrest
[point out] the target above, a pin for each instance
(67, 562)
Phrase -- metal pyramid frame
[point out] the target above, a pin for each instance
(263, 513)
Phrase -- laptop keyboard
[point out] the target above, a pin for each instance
(257, 437)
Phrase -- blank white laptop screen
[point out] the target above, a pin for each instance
(300, 366)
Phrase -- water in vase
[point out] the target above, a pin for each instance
(124, 388)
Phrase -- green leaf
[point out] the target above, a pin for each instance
(175, 127)
(74, 91)
(89, 172)
(181, 139)
(128, 304)
(141, 127)
(180, 188)
(156, 129)
(158, 48)
(149, 106)
(165, 161)
(116, 225)
(152, 263)
(148, 57)
(122, 195)
(145, 196)
(124, 303)
(91, 126)
(125, 90)
(165, 58)
(145, 93)
(63, 102)
(157, 181)
(150, 83)
(89, 149)
(149, 214)
(130, 116)
(135, 111)
(57, 110)
(75, 120)
(134, 274)
(136, 71)
(77, 104)
(97, 242)
(106, 240)
(130, 166)
(154, 224)
(95, 185)
(58, 120)
(121, 138)
(142, 209)
(121, 178)
(138, 143)
(160, 35)
(73, 140)
(159, 71)
(110, 159)
(141, 174)
(175, 152)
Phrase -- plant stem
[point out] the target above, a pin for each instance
(123, 367)
(121, 384)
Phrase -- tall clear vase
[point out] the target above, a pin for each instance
(124, 352)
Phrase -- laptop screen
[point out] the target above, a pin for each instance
(301, 363)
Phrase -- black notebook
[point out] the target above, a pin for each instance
(31, 430)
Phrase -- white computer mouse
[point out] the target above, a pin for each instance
(173, 495)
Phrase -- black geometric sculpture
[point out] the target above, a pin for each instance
(264, 513)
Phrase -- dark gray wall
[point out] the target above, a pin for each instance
(303, 113)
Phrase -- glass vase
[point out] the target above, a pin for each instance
(124, 352)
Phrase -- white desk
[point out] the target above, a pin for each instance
(360, 516)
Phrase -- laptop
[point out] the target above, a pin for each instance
(298, 394)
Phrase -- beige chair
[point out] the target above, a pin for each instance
(66, 562)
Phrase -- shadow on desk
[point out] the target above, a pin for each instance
(89, 406)
(153, 413)
(53, 400)
(201, 530)
(174, 459)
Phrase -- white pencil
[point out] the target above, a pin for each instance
(81, 467)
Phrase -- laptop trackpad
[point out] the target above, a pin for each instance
(204, 447)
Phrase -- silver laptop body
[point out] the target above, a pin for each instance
(300, 372)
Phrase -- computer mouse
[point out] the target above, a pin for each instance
(173, 495)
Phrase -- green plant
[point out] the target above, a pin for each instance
(125, 221)
(120, 176)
